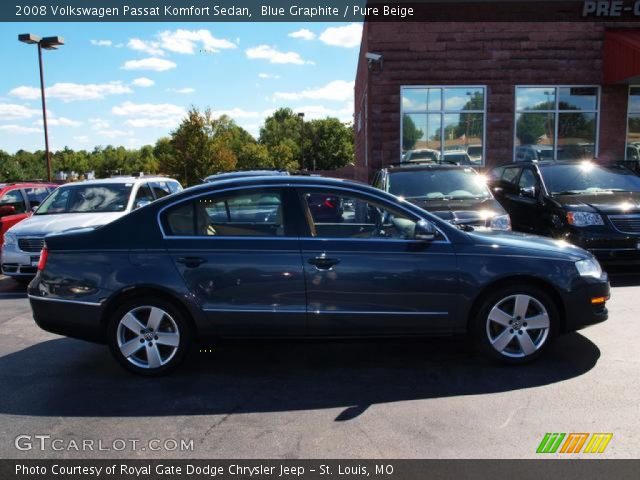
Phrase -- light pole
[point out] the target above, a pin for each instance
(301, 117)
(48, 43)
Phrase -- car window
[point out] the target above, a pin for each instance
(36, 195)
(244, 214)
(378, 182)
(510, 175)
(527, 179)
(143, 195)
(174, 187)
(336, 215)
(161, 189)
(14, 198)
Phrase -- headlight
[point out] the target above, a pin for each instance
(501, 222)
(584, 219)
(589, 268)
(10, 238)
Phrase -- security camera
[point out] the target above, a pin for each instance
(373, 57)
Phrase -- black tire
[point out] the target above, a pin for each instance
(483, 330)
(173, 322)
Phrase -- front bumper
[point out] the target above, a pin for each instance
(609, 247)
(17, 263)
(579, 309)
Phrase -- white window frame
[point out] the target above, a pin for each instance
(556, 113)
(442, 112)
(629, 113)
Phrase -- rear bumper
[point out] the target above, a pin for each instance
(580, 312)
(71, 318)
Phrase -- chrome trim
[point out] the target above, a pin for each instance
(254, 310)
(288, 185)
(62, 300)
(320, 312)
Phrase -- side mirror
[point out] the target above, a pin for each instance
(143, 202)
(425, 231)
(529, 192)
(34, 208)
(7, 210)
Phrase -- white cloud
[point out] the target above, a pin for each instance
(268, 75)
(60, 122)
(238, 113)
(99, 124)
(102, 43)
(265, 52)
(19, 129)
(70, 92)
(183, 91)
(150, 47)
(10, 111)
(187, 41)
(304, 34)
(143, 82)
(145, 115)
(113, 133)
(336, 90)
(152, 63)
(320, 111)
(348, 36)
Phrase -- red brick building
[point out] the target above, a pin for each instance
(498, 90)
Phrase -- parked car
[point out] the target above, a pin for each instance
(151, 282)
(421, 155)
(17, 201)
(456, 194)
(475, 154)
(77, 205)
(528, 153)
(244, 173)
(456, 157)
(596, 207)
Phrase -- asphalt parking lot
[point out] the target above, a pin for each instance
(384, 399)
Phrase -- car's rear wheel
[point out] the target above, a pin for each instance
(515, 324)
(149, 336)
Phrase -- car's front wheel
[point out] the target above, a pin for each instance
(515, 324)
(149, 336)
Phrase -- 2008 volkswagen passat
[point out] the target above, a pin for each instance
(248, 258)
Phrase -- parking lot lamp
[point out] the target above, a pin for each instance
(47, 43)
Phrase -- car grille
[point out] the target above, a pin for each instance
(31, 244)
(626, 223)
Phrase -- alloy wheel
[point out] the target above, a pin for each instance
(148, 337)
(518, 326)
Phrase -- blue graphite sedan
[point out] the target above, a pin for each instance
(248, 257)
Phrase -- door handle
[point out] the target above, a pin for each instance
(191, 262)
(324, 263)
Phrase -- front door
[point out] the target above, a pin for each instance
(366, 274)
(240, 259)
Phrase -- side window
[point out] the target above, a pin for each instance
(335, 215)
(244, 214)
(14, 198)
(161, 189)
(174, 187)
(510, 175)
(527, 179)
(143, 196)
(36, 195)
(379, 181)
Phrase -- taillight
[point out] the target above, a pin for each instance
(44, 254)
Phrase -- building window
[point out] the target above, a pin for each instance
(443, 124)
(556, 123)
(633, 125)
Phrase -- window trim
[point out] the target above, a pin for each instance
(556, 112)
(442, 112)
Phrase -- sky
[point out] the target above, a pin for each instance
(129, 84)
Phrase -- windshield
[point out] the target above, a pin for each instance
(87, 199)
(588, 178)
(454, 184)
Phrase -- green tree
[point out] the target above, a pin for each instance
(283, 127)
(410, 133)
(531, 126)
(328, 144)
(254, 156)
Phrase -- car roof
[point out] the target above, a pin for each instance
(120, 180)
(245, 173)
(426, 166)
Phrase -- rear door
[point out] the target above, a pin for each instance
(239, 255)
(365, 273)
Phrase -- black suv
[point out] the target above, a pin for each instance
(454, 193)
(596, 207)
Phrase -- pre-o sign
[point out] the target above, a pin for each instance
(611, 8)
